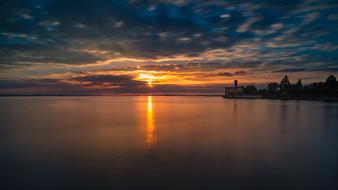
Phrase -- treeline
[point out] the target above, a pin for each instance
(329, 88)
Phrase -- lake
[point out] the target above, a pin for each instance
(159, 142)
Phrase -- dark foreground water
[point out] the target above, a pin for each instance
(167, 143)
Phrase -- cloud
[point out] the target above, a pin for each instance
(39, 87)
(226, 74)
(42, 38)
(231, 74)
(311, 69)
(240, 73)
(289, 70)
(108, 80)
(97, 87)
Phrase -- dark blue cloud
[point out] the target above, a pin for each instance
(279, 33)
(109, 80)
(57, 87)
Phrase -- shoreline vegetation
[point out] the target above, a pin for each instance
(320, 91)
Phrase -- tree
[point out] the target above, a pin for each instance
(330, 86)
(331, 82)
(298, 88)
(299, 84)
(250, 90)
(285, 83)
(273, 88)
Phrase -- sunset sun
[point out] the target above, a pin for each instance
(147, 77)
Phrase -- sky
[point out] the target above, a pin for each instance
(163, 46)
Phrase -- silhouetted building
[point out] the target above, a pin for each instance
(234, 90)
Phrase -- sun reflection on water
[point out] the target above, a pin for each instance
(150, 136)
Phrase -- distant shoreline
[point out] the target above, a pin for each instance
(112, 95)
(325, 99)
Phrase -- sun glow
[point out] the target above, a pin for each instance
(149, 78)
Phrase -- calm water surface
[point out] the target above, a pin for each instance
(167, 143)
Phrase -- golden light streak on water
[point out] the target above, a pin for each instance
(150, 136)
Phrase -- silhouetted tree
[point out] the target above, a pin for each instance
(331, 82)
(297, 89)
(250, 90)
(285, 83)
(285, 89)
(273, 88)
(263, 92)
(330, 86)
(299, 84)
